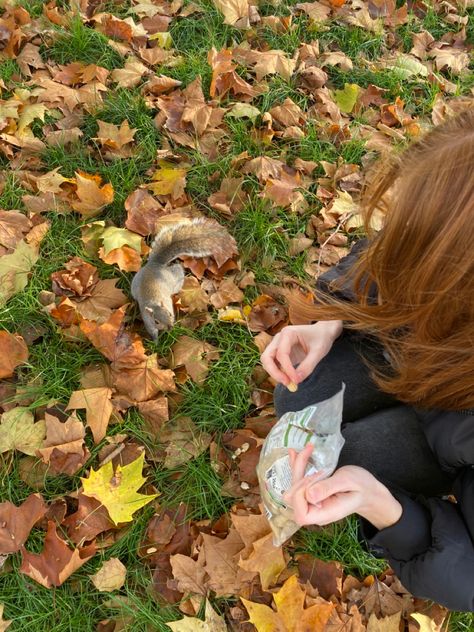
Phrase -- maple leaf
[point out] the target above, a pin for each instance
(266, 559)
(92, 196)
(15, 268)
(17, 522)
(13, 353)
(13, 228)
(90, 519)
(390, 623)
(131, 74)
(184, 441)
(64, 442)
(189, 574)
(426, 623)
(235, 12)
(116, 140)
(98, 407)
(19, 432)
(56, 562)
(142, 383)
(110, 576)
(212, 623)
(194, 355)
(290, 616)
(114, 342)
(117, 491)
(169, 179)
(227, 292)
(192, 297)
(143, 211)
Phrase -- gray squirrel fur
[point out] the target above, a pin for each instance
(155, 283)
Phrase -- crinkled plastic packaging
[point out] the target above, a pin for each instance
(319, 424)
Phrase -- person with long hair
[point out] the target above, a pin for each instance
(395, 323)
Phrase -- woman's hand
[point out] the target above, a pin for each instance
(349, 490)
(303, 345)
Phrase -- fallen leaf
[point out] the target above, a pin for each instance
(192, 297)
(13, 353)
(98, 407)
(388, 624)
(212, 623)
(184, 441)
(117, 491)
(235, 12)
(15, 268)
(189, 574)
(266, 559)
(19, 432)
(90, 519)
(143, 211)
(92, 197)
(56, 562)
(131, 74)
(291, 616)
(17, 522)
(116, 140)
(169, 179)
(13, 228)
(426, 623)
(110, 576)
(194, 355)
(67, 439)
(347, 98)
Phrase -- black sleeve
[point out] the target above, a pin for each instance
(341, 272)
(431, 551)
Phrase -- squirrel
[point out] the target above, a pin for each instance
(155, 283)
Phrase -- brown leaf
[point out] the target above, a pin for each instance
(231, 198)
(143, 211)
(98, 407)
(266, 559)
(13, 352)
(116, 140)
(155, 414)
(119, 346)
(92, 197)
(131, 74)
(13, 228)
(184, 441)
(77, 280)
(104, 298)
(189, 574)
(227, 292)
(66, 438)
(194, 355)
(56, 562)
(264, 168)
(144, 382)
(326, 577)
(17, 522)
(267, 315)
(221, 565)
(90, 519)
(192, 297)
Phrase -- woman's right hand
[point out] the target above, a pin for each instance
(302, 345)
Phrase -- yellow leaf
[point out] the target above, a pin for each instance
(117, 491)
(234, 11)
(169, 180)
(264, 618)
(213, 623)
(289, 601)
(15, 268)
(347, 98)
(28, 114)
(92, 197)
(19, 432)
(113, 237)
(110, 576)
(426, 623)
(164, 39)
(231, 315)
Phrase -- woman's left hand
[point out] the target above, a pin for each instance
(349, 490)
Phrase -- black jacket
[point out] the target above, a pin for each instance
(431, 547)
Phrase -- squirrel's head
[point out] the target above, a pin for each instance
(163, 319)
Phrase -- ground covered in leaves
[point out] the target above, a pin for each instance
(127, 474)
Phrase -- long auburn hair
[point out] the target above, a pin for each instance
(422, 264)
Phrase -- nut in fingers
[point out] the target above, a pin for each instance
(292, 387)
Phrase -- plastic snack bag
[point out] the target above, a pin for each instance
(319, 424)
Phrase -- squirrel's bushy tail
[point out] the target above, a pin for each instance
(197, 237)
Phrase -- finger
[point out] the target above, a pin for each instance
(270, 366)
(304, 482)
(335, 484)
(332, 509)
(283, 357)
(300, 463)
(292, 457)
(300, 507)
(308, 364)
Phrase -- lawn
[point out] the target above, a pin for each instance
(117, 118)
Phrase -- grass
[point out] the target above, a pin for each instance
(262, 232)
